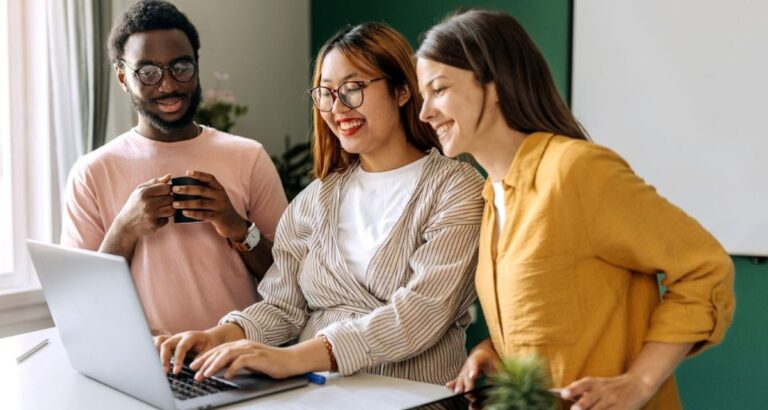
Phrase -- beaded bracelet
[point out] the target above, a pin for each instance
(329, 348)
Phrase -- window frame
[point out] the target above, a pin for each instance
(6, 220)
(26, 125)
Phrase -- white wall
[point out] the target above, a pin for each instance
(264, 46)
(679, 89)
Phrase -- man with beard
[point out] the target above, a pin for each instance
(119, 199)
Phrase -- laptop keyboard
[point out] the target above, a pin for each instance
(184, 385)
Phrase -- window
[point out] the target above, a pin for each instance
(25, 184)
(6, 229)
(25, 158)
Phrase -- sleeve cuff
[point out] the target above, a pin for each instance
(350, 349)
(706, 326)
(252, 330)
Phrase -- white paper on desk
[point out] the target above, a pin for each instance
(322, 398)
(335, 397)
(378, 398)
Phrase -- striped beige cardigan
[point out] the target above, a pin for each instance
(409, 318)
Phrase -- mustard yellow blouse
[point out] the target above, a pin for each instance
(573, 275)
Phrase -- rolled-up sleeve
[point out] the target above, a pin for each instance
(632, 226)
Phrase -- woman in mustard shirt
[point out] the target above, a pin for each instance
(571, 240)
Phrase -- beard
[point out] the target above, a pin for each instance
(166, 127)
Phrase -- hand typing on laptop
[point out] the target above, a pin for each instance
(225, 347)
(179, 345)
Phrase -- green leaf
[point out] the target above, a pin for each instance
(219, 114)
(294, 167)
(521, 384)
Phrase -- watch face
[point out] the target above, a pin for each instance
(253, 236)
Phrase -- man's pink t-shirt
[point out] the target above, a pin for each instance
(186, 274)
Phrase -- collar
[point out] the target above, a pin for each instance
(524, 165)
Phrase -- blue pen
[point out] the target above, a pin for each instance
(315, 378)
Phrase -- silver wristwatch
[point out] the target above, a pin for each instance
(252, 238)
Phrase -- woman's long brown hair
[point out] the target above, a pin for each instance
(496, 49)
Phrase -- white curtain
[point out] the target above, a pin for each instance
(79, 78)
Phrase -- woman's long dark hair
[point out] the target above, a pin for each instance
(496, 49)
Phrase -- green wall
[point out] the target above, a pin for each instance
(545, 20)
(733, 375)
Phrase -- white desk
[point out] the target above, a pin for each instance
(47, 381)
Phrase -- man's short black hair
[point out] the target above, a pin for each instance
(148, 15)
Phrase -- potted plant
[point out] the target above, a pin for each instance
(294, 167)
(521, 384)
(218, 108)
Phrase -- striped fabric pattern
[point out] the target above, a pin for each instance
(409, 318)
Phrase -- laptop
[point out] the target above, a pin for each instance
(106, 335)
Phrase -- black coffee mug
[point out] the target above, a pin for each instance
(179, 217)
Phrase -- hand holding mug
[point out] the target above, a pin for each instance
(147, 208)
(212, 204)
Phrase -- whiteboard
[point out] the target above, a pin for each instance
(680, 90)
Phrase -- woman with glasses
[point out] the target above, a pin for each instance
(374, 260)
(572, 240)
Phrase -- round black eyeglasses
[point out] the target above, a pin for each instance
(350, 93)
(150, 74)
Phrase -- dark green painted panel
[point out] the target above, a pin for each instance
(547, 21)
(478, 331)
(734, 374)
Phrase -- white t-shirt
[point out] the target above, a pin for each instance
(371, 203)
